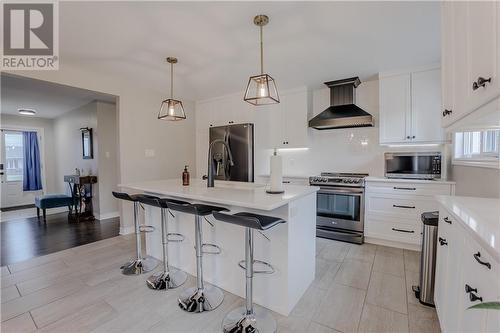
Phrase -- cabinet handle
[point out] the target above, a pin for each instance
(473, 297)
(413, 137)
(404, 188)
(481, 82)
(402, 230)
(477, 256)
(447, 220)
(442, 241)
(408, 137)
(403, 206)
(447, 112)
(469, 289)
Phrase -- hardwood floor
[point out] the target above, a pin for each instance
(363, 288)
(27, 238)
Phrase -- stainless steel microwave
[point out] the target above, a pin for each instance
(420, 165)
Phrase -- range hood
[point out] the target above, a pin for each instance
(343, 112)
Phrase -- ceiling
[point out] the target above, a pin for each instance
(305, 43)
(48, 99)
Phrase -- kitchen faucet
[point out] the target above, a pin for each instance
(210, 177)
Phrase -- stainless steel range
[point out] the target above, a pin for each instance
(340, 206)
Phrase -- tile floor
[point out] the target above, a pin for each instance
(357, 289)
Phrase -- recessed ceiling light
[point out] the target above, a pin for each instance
(27, 112)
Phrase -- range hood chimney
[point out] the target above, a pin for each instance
(343, 112)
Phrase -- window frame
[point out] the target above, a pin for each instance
(481, 159)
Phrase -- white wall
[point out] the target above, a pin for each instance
(47, 143)
(138, 126)
(68, 147)
(107, 157)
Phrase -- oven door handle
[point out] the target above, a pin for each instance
(325, 191)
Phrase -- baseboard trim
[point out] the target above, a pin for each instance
(106, 216)
(126, 230)
(385, 242)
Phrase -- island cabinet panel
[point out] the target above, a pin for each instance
(410, 106)
(466, 275)
(470, 56)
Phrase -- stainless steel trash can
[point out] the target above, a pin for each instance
(425, 291)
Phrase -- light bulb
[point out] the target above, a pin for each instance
(171, 109)
(262, 89)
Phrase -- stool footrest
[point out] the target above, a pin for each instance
(175, 237)
(215, 249)
(146, 228)
(270, 269)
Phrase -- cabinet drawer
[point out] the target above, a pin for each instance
(393, 230)
(405, 188)
(410, 207)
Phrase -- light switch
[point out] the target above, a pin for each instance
(107, 154)
(149, 152)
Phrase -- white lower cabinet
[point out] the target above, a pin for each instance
(466, 275)
(393, 209)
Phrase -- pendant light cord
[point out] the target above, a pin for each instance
(261, 51)
(171, 80)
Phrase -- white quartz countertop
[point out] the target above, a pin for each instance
(414, 181)
(479, 216)
(247, 195)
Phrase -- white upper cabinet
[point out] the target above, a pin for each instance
(394, 108)
(287, 121)
(425, 106)
(410, 107)
(470, 56)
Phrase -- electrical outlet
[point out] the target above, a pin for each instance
(149, 152)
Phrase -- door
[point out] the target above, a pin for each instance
(482, 51)
(394, 108)
(448, 58)
(12, 161)
(240, 140)
(340, 208)
(426, 106)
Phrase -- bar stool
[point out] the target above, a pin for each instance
(140, 264)
(200, 298)
(246, 319)
(169, 277)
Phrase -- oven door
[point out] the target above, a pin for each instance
(340, 208)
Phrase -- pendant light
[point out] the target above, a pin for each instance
(261, 89)
(171, 109)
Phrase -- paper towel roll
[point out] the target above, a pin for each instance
(276, 173)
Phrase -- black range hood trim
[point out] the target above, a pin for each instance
(343, 112)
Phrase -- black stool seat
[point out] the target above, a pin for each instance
(165, 202)
(250, 220)
(195, 209)
(126, 196)
(149, 200)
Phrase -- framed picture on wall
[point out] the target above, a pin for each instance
(87, 144)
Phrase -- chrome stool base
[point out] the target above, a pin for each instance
(139, 266)
(195, 300)
(166, 280)
(237, 321)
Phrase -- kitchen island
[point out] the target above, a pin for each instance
(289, 247)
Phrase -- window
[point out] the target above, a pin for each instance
(479, 148)
(13, 156)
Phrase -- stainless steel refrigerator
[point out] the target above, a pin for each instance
(239, 137)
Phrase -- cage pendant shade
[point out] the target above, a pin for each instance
(171, 109)
(261, 89)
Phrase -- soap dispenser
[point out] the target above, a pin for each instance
(185, 176)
